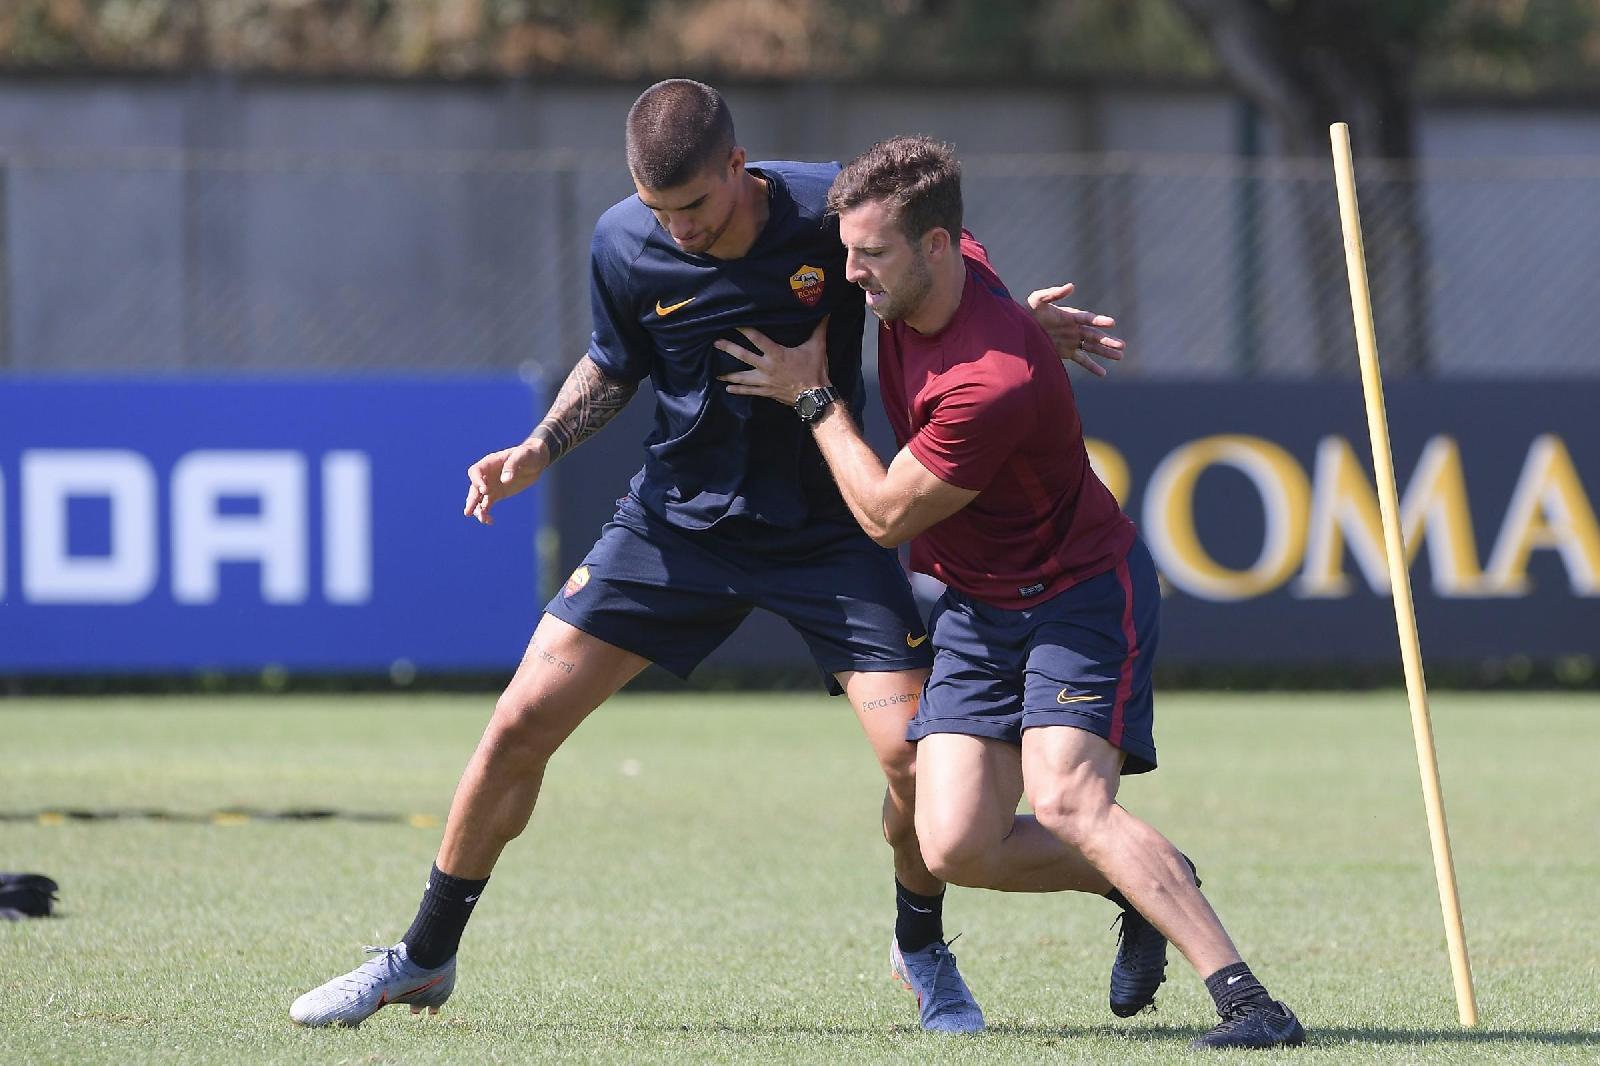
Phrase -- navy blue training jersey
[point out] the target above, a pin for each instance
(657, 310)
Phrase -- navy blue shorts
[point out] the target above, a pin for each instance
(672, 595)
(1081, 658)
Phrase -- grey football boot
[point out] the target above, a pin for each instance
(944, 1002)
(389, 977)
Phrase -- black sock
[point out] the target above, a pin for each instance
(1234, 985)
(919, 920)
(435, 932)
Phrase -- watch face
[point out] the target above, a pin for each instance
(811, 403)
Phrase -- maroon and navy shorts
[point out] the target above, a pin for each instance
(1082, 658)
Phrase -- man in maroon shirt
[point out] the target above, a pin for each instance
(1045, 637)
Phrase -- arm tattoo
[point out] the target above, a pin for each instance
(586, 402)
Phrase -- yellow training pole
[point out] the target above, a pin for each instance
(1404, 614)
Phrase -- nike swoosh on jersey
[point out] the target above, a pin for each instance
(915, 642)
(1065, 697)
(663, 310)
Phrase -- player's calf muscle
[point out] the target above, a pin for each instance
(899, 826)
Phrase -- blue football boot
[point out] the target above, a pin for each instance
(943, 999)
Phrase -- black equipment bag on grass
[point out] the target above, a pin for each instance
(26, 896)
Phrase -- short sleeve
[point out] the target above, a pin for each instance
(976, 425)
(618, 346)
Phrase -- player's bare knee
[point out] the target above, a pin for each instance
(953, 868)
(1075, 816)
(957, 851)
(958, 858)
(519, 731)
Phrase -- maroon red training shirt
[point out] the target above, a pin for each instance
(985, 404)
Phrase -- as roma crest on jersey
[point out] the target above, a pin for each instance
(579, 578)
(807, 284)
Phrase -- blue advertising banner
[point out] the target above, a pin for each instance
(226, 524)
(153, 526)
(1258, 502)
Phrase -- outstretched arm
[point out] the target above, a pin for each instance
(892, 505)
(1077, 335)
(586, 402)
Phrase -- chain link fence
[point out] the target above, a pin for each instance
(246, 262)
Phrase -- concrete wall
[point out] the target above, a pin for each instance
(155, 225)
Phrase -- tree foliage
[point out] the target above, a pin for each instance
(1499, 45)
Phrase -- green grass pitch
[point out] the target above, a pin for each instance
(704, 882)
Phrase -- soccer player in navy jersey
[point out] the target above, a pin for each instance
(1046, 635)
(734, 509)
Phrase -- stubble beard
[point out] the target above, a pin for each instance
(915, 289)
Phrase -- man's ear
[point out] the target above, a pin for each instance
(936, 242)
(736, 162)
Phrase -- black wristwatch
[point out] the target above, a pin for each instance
(814, 402)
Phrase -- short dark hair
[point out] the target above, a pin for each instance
(919, 178)
(676, 129)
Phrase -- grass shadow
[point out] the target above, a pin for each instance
(1550, 1037)
(1323, 1036)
